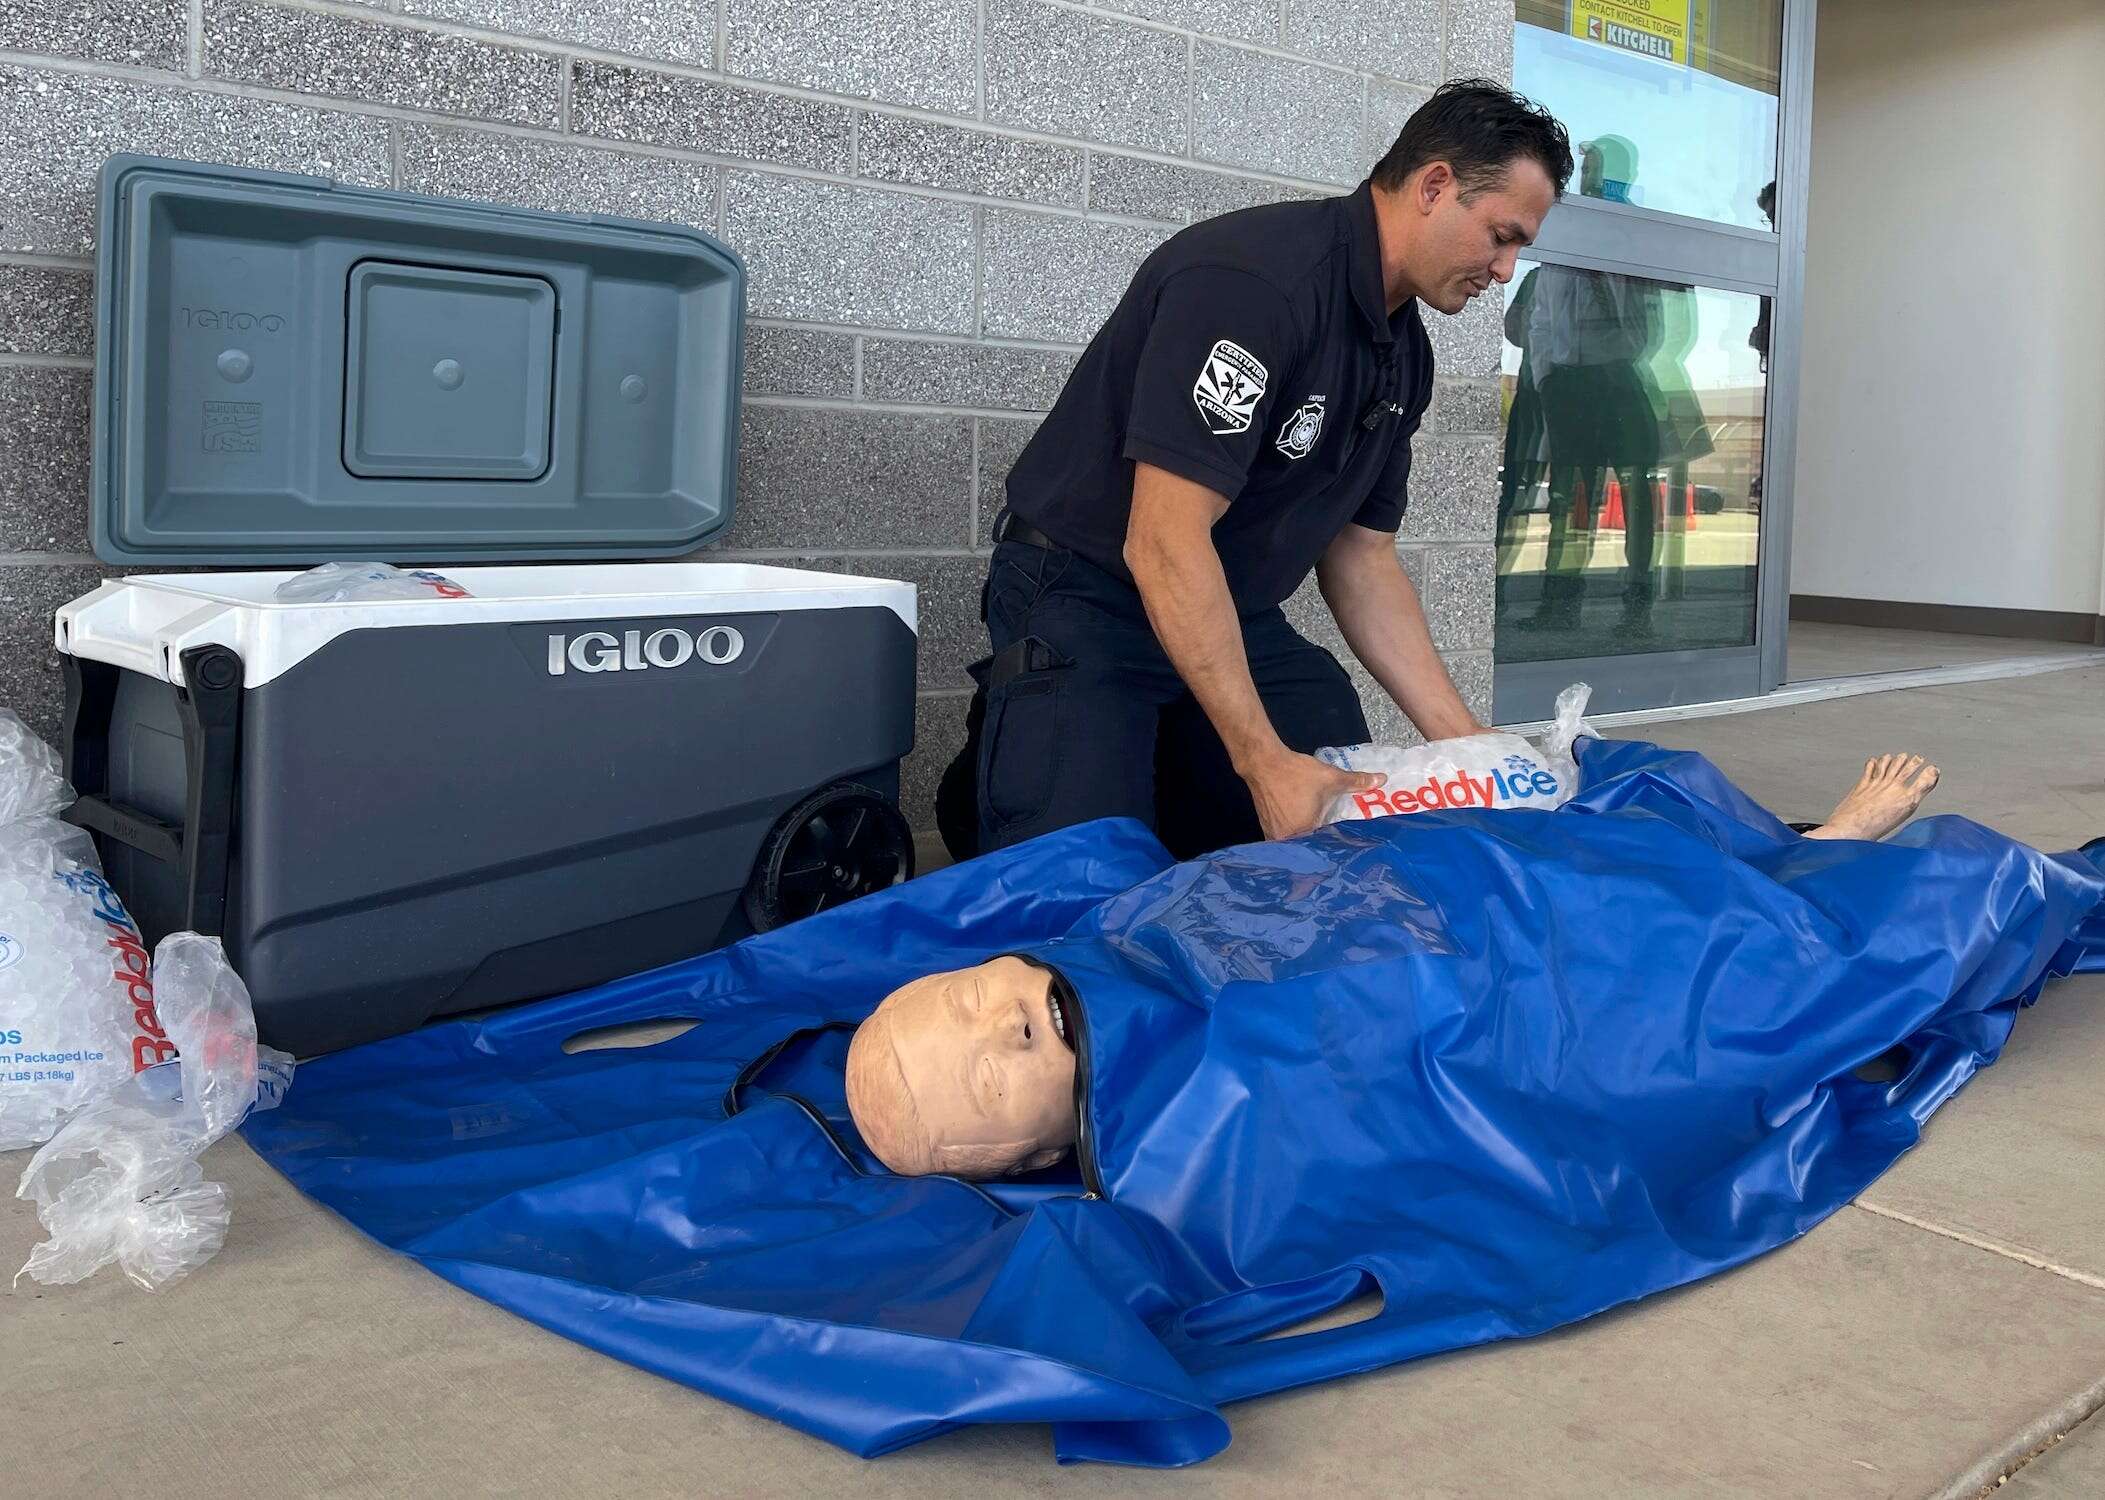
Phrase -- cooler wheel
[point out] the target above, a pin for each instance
(839, 843)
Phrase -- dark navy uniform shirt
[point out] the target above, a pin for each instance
(1253, 354)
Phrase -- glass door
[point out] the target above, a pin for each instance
(1651, 345)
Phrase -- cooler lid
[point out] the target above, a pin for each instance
(145, 622)
(292, 371)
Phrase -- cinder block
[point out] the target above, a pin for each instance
(691, 114)
(1142, 189)
(896, 149)
(1390, 38)
(1472, 674)
(920, 52)
(1480, 40)
(1453, 490)
(920, 373)
(57, 129)
(46, 310)
(309, 52)
(1236, 20)
(824, 252)
(1389, 105)
(667, 30)
(1253, 110)
(30, 595)
(1067, 73)
(799, 362)
(43, 459)
(939, 733)
(137, 33)
(1469, 344)
(1465, 406)
(1000, 445)
(834, 479)
(947, 609)
(1458, 596)
(454, 163)
(1386, 724)
(1056, 279)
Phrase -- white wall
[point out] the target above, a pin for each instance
(1952, 411)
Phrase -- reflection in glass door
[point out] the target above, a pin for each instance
(1644, 344)
(1629, 502)
(1679, 97)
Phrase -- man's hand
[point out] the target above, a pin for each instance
(1292, 791)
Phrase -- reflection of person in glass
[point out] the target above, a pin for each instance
(1592, 337)
(1684, 437)
(1527, 441)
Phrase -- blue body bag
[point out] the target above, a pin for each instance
(1503, 1069)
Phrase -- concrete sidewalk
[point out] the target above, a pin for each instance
(1919, 1343)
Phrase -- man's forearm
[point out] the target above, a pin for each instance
(1169, 548)
(1186, 596)
(1379, 614)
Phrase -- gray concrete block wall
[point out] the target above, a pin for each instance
(938, 200)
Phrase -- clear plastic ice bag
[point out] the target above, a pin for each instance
(1477, 770)
(341, 582)
(121, 1181)
(76, 993)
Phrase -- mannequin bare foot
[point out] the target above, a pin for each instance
(1892, 788)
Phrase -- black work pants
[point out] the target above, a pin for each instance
(1079, 714)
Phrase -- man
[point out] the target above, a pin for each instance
(1245, 415)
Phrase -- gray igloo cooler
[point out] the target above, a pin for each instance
(398, 809)
(402, 809)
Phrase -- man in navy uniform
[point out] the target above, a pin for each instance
(1244, 415)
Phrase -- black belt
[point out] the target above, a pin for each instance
(1010, 527)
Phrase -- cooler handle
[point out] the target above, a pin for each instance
(209, 705)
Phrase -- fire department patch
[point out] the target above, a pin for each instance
(1298, 433)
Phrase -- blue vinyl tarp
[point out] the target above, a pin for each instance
(1501, 1069)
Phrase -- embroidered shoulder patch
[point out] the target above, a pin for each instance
(1229, 388)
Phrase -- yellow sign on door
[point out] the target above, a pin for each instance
(1650, 28)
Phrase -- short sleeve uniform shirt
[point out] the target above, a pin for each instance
(1252, 354)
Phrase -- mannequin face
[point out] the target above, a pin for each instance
(968, 1073)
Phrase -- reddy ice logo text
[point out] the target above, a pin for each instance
(130, 965)
(1519, 780)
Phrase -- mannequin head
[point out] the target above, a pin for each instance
(968, 1073)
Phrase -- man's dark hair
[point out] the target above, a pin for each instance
(1479, 129)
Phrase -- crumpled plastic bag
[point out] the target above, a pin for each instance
(1475, 770)
(120, 1181)
(76, 992)
(341, 582)
(32, 782)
